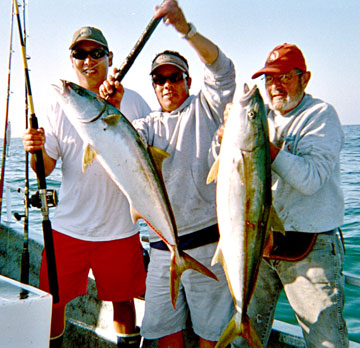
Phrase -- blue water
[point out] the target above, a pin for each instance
(350, 162)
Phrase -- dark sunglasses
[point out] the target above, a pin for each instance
(173, 78)
(96, 53)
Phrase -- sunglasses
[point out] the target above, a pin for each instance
(173, 78)
(96, 53)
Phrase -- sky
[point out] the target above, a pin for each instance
(327, 31)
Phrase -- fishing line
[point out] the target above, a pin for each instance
(100, 61)
(40, 173)
(6, 129)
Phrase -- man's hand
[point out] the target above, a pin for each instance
(112, 90)
(172, 14)
(33, 139)
(274, 150)
(220, 131)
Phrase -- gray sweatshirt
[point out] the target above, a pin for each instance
(186, 134)
(307, 190)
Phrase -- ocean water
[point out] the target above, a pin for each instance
(13, 201)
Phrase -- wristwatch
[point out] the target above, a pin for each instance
(192, 31)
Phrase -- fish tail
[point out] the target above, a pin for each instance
(180, 262)
(239, 326)
(250, 334)
(232, 331)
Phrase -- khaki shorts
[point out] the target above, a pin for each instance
(208, 302)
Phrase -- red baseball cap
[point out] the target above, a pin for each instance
(282, 59)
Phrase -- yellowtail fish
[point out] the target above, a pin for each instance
(244, 206)
(135, 167)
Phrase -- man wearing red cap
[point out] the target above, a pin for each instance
(306, 139)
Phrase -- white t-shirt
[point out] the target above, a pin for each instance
(91, 207)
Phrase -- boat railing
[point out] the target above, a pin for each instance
(352, 279)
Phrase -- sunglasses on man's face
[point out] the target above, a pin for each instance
(96, 53)
(173, 78)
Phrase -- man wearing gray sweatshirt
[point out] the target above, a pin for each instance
(306, 139)
(184, 127)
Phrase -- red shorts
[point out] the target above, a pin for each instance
(117, 266)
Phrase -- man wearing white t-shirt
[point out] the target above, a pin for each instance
(92, 228)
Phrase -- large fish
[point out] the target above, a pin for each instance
(132, 164)
(244, 206)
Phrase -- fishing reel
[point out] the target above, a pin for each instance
(35, 201)
(51, 199)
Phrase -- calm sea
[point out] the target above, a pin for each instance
(350, 162)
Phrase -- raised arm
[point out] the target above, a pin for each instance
(173, 15)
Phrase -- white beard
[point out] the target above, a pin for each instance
(284, 105)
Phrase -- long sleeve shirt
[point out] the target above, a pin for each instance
(186, 134)
(307, 190)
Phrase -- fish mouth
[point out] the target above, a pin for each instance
(248, 93)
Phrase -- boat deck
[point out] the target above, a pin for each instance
(89, 320)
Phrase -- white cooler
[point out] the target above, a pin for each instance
(23, 322)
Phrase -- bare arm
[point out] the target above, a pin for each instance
(33, 140)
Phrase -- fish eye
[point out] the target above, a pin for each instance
(251, 114)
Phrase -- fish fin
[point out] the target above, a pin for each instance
(135, 216)
(158, 156)
(241, 168)
(275, 222)
(218, 256)
(274, 225)
(239, 326)
(246, 88)
(269, 243)
(88, 157)
(213, 172)
(180, 262)
(112, 120)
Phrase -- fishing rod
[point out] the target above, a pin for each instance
(41, 181)
(25, 257)
(129, 60)
(5, 142)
